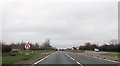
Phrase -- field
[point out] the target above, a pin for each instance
(112, 54)
(76, 51)
(21, 58)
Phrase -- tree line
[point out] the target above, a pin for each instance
(45, 46)
(112, 45)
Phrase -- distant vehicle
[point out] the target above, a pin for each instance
(96, 50)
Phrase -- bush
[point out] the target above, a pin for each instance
(6, 48)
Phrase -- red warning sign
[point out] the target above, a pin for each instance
(27, 46)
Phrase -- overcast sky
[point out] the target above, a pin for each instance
(66, 23)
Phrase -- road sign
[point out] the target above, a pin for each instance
(48, 46)
(27, 46)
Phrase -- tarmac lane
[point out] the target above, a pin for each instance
(62, 58)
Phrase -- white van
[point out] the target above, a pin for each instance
(96, 50)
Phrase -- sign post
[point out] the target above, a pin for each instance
(27, 46)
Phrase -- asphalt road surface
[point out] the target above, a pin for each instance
(68, 58)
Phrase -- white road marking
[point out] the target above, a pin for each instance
(71, 58)
(74, 60)
(78, 63)
(104, 59)
(111, 61)
(41, 59)
(107, 60)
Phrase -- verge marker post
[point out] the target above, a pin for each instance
(32, 51)
(104, 57)
(20, 53)
(116, 58)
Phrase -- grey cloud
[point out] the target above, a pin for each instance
(64, 22)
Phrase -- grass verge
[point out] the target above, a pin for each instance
(21, 58)
(112, 54)
(76, 51)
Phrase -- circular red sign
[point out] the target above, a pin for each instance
(27, 46)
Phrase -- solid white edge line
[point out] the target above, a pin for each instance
(104, 59)
(42, 59)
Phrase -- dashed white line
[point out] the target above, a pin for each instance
(67, 55)
(71, 58)
(78, 63)
(74, 60)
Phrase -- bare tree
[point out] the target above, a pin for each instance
(46, 43)
(113, 41)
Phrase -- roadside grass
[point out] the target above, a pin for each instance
(0, 60)
(112, 54)
(76, 51)
(21, 58)
(30, 59)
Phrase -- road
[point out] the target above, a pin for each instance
(68, 58)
